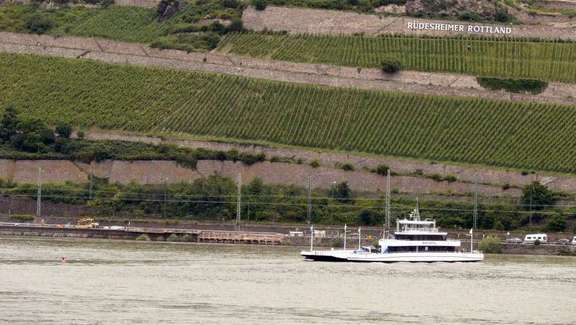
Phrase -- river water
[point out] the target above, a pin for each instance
(117, 282)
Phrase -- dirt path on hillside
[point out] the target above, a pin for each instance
(494, 177)
(317, 74)
(318, 21)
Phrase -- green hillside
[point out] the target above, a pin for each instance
(522, 135)
(513, 58)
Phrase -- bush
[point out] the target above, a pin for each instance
(143, 237)
(259, 4)
(347, 167)
(382, 170)
(236, 25)
(490, 245)
(314, 164)
(63, 130)
(503, 16)
(233, 4)
(556, 223)
(391, 66)
(39, 24)
(22, 217)
(470, 16)
(513, 85)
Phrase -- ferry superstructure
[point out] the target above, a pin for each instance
(414, 240)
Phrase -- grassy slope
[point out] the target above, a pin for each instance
(130, 24)
(485, 57)
(521, 135)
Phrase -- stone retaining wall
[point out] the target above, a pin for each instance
(159, 172)
(317, 21)
(467, 173)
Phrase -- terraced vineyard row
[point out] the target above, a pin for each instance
(555, 61)
(522, 135)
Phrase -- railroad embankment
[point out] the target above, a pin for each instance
(330, 236)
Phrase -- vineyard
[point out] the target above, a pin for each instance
(85, 93)
(512, 58)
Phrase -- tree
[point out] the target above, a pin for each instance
(259, 4)
(369, 218)
(63, 130)
(537, 196)
(341, 192)
(9, 123)
(556, 223)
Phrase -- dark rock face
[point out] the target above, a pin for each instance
(485, 9)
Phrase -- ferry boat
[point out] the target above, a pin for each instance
(414, 240)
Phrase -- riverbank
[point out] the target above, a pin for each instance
(282, 235)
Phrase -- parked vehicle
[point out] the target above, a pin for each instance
(532, 238)
(574, 240)
(514, 240)
(563, 241)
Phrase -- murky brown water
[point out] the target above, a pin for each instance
(108, 282)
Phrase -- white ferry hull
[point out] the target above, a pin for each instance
(352, 256)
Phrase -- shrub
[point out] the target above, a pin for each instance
(22, 217)
(382, 169)
(437, 177)
(63, 130)
(490, 245)
(503, 16)
(236, 25)
(230, 4)
(39, 24)
(173, 238)
(450, 178)
(513, 85)
(314, 164)
(470, 16)
(251, 159)
(347, 167)
(391, 66)
(143, 237)
(259, 4)
(556, 223)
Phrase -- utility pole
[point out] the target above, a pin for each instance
(530, 216)
(239, 201)
(39, 194)
(165, 198)
(91, 186)
(345, 231)
(359, 237)
(475, 214)
(309, 205)
(388, 204)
